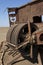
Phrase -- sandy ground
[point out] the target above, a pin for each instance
(3, 32)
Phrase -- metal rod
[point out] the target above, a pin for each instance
(29, 31)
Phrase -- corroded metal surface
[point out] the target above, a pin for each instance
(15, 34)
(9, 33)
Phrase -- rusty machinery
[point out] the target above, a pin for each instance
(20, 39)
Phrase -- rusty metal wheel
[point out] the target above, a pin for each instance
(17, 32)
(18, 36)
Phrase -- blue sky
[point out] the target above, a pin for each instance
(4, 4)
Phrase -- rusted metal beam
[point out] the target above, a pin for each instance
(22, 44)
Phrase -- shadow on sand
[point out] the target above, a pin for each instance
(36, 50)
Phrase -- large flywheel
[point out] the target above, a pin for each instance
(17, 36)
